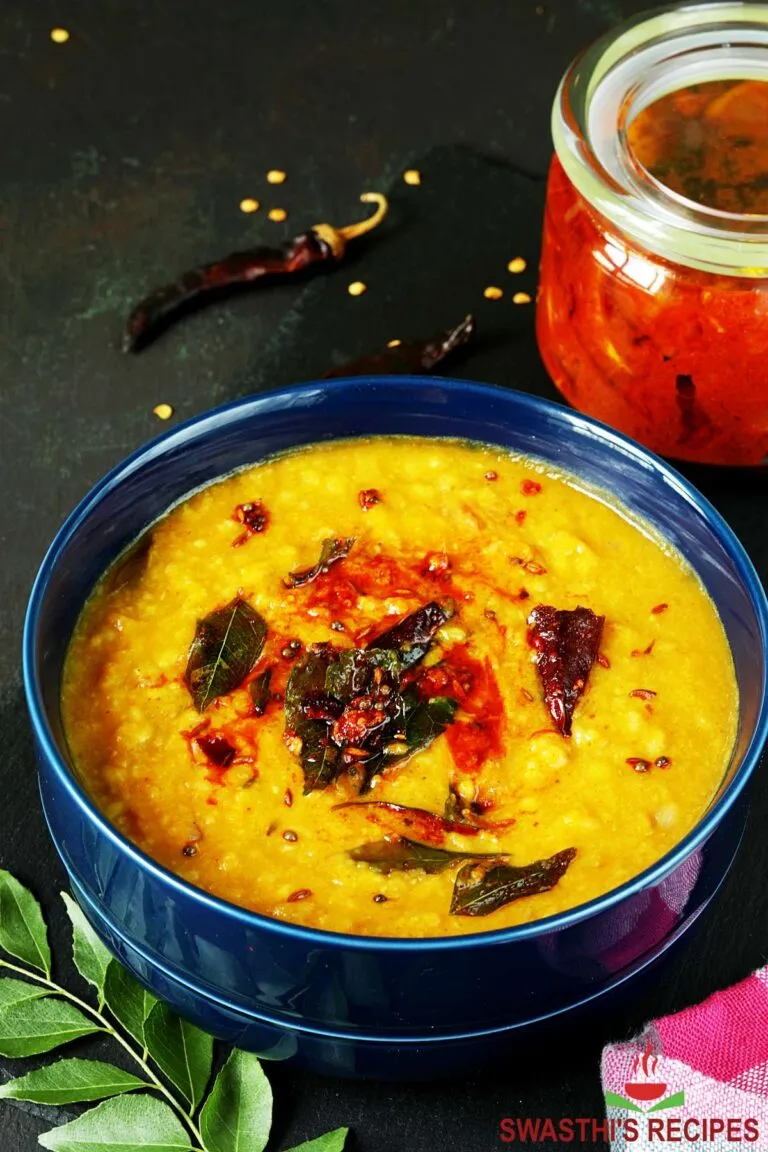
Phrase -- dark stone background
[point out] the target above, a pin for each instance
(125, 154)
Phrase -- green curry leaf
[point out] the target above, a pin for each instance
(18, 992)
(32, 1026)
(124, 1124)
(22, 928)
(329, 1142)
(238, 1112)
(180, 1050)
(71, 1082)
(127, 1000)
(91, 957)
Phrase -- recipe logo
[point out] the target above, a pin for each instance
(644, 1095)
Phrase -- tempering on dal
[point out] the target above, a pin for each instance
(401, 687)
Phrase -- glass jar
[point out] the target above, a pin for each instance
(653, 309)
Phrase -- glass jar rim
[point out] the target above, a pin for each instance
(657, 52)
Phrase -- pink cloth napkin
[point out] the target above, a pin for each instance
(707, 1064)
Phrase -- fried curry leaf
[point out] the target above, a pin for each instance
(320, 758)
(307, 676)
(347, 710)
(226, 646)
(331, 552)
(404, 855)
(484, 888)
(425, 720)
(566, 642)
(352, 671)
(412, 636)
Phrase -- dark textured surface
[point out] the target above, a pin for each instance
(126, 153)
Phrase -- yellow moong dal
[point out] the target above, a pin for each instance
(469, 740)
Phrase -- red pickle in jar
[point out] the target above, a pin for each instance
(653, 302)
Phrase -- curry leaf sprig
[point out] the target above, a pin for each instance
(163, 1103)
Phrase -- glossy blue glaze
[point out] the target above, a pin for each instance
(365, 1005)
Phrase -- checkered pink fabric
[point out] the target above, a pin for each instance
(716, 1053)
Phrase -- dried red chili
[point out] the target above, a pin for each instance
(566, 642)
(254, 517)
(321, 247)
(368, 498)
(427, 826)
(421, 356)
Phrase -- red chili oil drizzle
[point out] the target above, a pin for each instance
(520, 516)
(657, 611)
(645, 651)
(474, 685)
(363, 573)
(436, 566)
(530, 487)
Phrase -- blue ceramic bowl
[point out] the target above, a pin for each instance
(349, 1004)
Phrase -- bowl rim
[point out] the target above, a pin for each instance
(214, 421)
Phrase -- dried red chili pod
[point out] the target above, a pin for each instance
(420, 356)
(566, 643)
(321, 247)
